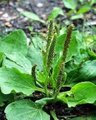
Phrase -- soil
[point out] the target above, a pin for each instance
(10, 19)
(62, 111)
(2, 115)
(65, 113)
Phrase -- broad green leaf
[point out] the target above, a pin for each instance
(71, 4)
(35, 56)
(14, 42)
(11, 64)
(77, 53)
(38, 43)
(87, 117)
(81, 93)
(55, 12)
(18, 60)
(32, 16)
(14, 46)
(35, 52)
(84, 9)
(41, 77)
(13, 80)
(79, 16)
(25, 110)
(74, 47)
(73, 67)
(87, 71)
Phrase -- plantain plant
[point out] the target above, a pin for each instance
(31, 76)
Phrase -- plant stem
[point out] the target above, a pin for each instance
(62, 65)
(50, 34)
(33, 72)
(67, 41)
(53, 114)
(51, 53)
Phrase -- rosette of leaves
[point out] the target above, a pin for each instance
(40, 66)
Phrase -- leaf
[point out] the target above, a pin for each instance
(18, 60)
(79, 16)
(14, 46)
(13, 80)
(93, 2)
(38, 43)
(81, 1)
(44, 101)
(14, 42)
(87, 117)
(81, 93)
(11, 64)
(73, 67)
(25, 110)
(1, 58)
(74, 47)
(35, 52)
(35, 56)
(32, 16)
(54, 13)
(84, 9)
(41, 77)
(71, 4)
(87, 71)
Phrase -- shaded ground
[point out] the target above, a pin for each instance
(10, 17)
(65, 113)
